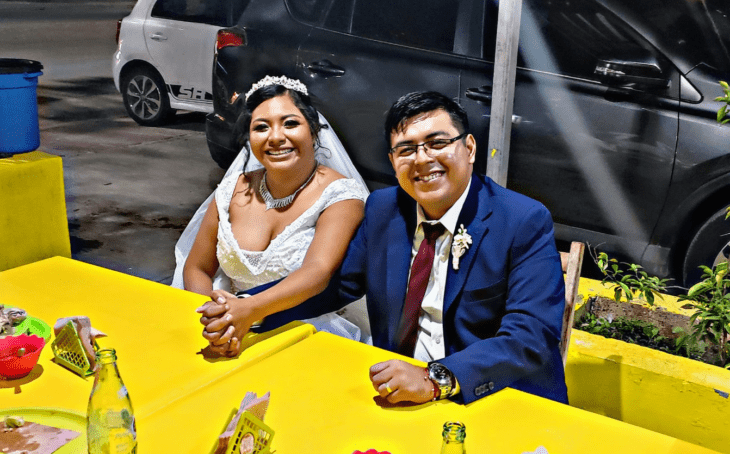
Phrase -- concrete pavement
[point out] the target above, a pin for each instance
(130, 190)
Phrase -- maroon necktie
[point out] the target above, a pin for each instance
(420, 273)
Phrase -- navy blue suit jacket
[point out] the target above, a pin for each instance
(502, 309)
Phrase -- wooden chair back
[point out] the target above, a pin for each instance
(572, 263)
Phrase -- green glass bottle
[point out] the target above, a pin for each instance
(454, 434)
(110, 425)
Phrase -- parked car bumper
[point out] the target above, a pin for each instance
(219, 134)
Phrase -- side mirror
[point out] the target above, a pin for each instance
(641, 71)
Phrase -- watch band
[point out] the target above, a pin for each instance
(436, 390)
(443, 378)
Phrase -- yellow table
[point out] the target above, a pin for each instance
(153, 327)
(321, 397)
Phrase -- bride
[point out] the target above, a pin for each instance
(277, 232)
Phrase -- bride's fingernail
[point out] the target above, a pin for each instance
(200, 309)
(221, 300)
(229, 317)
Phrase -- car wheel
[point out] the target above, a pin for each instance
(145, 97)
(710, 246)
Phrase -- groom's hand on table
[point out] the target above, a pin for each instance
(398, 381)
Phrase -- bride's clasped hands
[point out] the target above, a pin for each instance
(226, 319)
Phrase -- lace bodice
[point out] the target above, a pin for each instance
(286, 252)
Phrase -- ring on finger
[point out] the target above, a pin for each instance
(387, 388)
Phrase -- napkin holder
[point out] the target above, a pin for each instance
(70, 353)
(250, 431)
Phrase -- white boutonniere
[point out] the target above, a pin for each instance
(461, 243)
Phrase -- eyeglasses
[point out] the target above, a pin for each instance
(431, 147)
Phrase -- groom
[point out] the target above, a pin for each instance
(458, 271)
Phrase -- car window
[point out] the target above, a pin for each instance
(427, 24)
(569, 37)
(308, 11)
(223, 13)
(696, 31)
(339, 17)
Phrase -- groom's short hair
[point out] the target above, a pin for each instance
(416, 103)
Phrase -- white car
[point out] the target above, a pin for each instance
(165, 54)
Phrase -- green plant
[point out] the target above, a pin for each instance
(622, 328)
(628, 279)
(710, 321)
(687, 345)
(723, 112)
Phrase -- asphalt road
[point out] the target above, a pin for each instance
(129, 189)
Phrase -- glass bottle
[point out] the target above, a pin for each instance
(454, 434)
(110, 425)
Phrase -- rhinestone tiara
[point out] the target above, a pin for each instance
(291, 84)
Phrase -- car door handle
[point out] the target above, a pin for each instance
(158, 37)
(326, 67)
(482, 94)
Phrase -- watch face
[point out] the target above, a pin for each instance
(439, 371)
(443, 377)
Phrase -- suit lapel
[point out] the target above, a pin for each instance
(474, 216)
(400, 239)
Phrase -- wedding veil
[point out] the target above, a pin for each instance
(330, 153)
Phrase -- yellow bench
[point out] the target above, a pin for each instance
(33, 223)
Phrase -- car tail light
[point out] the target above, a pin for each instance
(119, 27)
(227, 38)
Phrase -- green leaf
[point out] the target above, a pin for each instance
(649, 296)
(626, 290)
(617, 294)
(724, 85)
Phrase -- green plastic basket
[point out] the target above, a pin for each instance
(32, 325)
(69, 351)
(251, 436)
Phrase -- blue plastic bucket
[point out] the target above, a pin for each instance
(19, 105)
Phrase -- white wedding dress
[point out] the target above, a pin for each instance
(285, 253)
(241, 270)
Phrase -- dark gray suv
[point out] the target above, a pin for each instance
(614, 118)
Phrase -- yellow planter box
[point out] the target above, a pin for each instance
(668, 394)
(33, 223)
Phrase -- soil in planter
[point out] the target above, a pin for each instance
(610, 310)
(638, 325)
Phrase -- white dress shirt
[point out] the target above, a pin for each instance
(430, 341)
